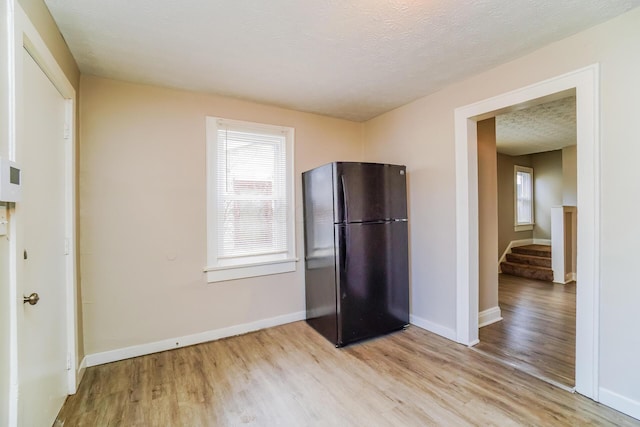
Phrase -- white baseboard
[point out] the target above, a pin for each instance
(568, 278)
(437, 329)
(620, 403)
(81, 370)
(542, 242)
(187, 340)
(489, 316)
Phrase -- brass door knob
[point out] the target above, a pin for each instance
(31, 299)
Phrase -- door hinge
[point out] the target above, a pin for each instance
(67, 246)
(67, 131)
(68, 362)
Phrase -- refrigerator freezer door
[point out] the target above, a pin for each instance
(369, 192)
(373, 279)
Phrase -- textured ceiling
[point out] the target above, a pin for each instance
(544, 127)
(353, 59)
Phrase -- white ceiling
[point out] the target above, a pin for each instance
(544, 127)
(353, 59)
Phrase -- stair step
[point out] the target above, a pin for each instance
(529, 260)
(528, 271)
(535, 250)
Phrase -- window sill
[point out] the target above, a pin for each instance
(233, 272)
(523, 227)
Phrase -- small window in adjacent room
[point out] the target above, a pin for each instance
(523, 198)
(250, 200)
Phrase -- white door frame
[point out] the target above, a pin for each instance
(585, 82)
(23, 35)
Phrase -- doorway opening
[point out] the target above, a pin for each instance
(585, 84)
(527, 196)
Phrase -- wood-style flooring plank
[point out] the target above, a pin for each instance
(291, 376)
(538, 330)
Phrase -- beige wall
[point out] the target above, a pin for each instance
(416, 135)
(487, 215)
(143, 224)
(506, 194)
(549, 176)
(570, 176)
(41, 19)
(547, 190)
(131, 231)
(421, 135)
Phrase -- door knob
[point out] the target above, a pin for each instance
(31, 299)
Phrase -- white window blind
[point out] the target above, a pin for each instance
(524, 195)
(250, 204)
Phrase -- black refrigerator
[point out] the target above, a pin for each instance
(356, 250)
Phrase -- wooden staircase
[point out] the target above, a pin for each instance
(530, 261)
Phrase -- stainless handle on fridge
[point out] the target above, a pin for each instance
(346, 247)
(344, 199)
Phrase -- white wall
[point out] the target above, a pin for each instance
(421, 135)
(143, 228)
(5, 298)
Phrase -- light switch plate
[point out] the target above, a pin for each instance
(3, 220)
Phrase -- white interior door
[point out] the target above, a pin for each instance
(42, 333)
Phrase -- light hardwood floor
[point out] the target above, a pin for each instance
(291, 376)
(538, 330)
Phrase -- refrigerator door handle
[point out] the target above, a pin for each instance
(344, 199)
(346, 252)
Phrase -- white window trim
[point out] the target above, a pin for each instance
(526, 227)
(522, 226)
(220, 270)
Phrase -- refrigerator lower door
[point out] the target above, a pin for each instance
(373, 279)
(320, 296)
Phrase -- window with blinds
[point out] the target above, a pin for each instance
(523, 197)
(250, 203)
